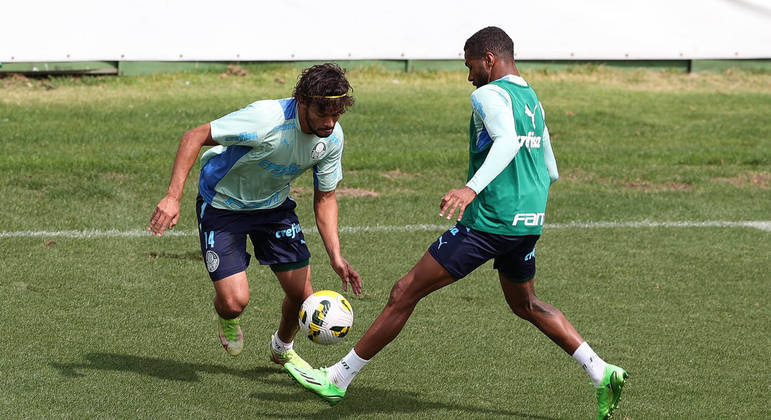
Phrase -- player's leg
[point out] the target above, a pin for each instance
(279, 242)
(517, 276)
(296, 283)
(550, 320)
(516, 269)
(297, 287)
(425, 277)
(223, 246)
(452, 256)
(231, 295)
(331, 383)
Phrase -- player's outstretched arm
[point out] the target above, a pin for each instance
(166, 213)
(325, 208)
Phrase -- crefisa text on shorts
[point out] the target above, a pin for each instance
(290, 232)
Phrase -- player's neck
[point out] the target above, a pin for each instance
(503, 69)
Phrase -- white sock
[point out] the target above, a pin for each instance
(343, 372)
(592, 363)
(280, 346)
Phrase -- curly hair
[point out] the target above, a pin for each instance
(326, 86)
(490, 39)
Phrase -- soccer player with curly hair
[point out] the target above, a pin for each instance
(244, 191)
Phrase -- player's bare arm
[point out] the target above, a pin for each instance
(325, 209)
(166, 213)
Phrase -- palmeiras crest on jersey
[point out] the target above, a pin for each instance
(212, 261)
(318, 150)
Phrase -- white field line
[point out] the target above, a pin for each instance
(114, 233)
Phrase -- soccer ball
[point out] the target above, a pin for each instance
(326, 317)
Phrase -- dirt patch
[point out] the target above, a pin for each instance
(398, 174)
(758, 180)
(344, 192)
(16, 80)
(578, 175)
(234, 70)
(648, 186)
(356, 192)
(298, 192)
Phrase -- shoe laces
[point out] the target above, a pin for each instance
(230, 328)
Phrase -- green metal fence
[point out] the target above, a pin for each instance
(131, 68)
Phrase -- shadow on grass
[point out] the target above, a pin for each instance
(159, 368)
(369, 400)
(362, 400)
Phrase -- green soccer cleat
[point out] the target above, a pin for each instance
(315, 380)
(231, 336)
(290, 356)
(609, 392)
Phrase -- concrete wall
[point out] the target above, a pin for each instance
(241, 30)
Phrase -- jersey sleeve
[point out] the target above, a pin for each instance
(247, 126)
(548, 155)
(328, 172)
(493, 106)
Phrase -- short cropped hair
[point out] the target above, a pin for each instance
(490, 39)
(324, 85)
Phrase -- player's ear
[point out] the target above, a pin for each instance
(489, 58)
(302, 107)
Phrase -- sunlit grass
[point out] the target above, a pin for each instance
(124, 328)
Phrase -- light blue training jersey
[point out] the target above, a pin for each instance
(262, 149)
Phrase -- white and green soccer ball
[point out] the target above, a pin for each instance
(326, 317)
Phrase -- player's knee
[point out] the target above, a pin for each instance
(232, 306)
(402, 296)
(530, 308)
(296, 297)
(521, 309)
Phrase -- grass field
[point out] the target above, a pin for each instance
(102, 321)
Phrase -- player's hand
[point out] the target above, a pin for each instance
(165, 216)
(456, 199)
(347, 274)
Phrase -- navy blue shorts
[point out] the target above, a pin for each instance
(460, 250)
(275, 233)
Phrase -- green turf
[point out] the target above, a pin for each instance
(122, 327)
